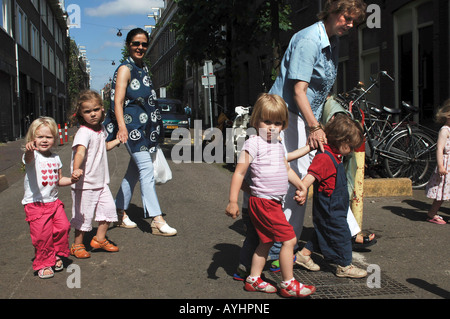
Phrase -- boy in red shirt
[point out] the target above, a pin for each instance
(331, 235)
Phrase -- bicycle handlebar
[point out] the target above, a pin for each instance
(386, 74)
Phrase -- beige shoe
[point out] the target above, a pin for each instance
(350, 271)
(163, 230)
(306, 262)
(124, 220)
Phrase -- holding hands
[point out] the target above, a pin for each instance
(122, 134)
(300, 196)
(76, 174)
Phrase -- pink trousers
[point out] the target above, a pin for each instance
(49, 230)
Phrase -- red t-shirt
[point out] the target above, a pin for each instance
(323, 169)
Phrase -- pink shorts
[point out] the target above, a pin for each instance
(86, 202)
(269, 220)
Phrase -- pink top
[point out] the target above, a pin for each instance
(268, 168)
(95, 165)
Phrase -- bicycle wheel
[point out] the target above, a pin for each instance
(410, 155)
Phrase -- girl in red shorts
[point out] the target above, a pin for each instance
(270, 173)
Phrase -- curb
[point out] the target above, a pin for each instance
(383, 187)
(3, 183)
(387, 187)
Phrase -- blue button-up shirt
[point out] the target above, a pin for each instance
(311, 57)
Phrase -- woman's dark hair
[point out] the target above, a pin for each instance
(135, 32)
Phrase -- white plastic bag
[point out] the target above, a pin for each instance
(162, 171)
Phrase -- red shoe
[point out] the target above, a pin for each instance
(259, 285)
(298, 290)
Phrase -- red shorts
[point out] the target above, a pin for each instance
(269, 220)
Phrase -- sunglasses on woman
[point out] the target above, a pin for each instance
(137, 43)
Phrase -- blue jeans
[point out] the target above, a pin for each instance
(139, 168)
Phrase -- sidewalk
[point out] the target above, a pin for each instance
(411, 256)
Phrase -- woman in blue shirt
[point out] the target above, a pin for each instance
(307, 74)
(136, 121)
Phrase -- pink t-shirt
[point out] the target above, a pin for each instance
(268, 170)
(95, 165)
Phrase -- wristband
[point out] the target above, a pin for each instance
(315, 128)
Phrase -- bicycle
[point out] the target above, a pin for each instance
(399, 149)
(238, 134)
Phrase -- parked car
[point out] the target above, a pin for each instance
(173, 115)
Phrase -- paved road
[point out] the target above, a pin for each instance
(198, 263)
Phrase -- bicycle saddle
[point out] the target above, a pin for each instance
(391, 111)
(409, 107)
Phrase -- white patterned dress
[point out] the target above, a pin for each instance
(438, 187)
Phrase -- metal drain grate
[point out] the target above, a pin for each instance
(328, 286)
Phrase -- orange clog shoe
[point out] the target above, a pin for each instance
(79, 251)
(105, 245)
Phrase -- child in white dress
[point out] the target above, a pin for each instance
(438, 188)
(91, 194)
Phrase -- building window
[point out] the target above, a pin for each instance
(44, 11)
(35, 4)
(415, 67)
(50, 19)
(5, 20)
(51, 60)
(370, 42)
(61, 71)
(35, 39)
(44, 53)
(22, 28)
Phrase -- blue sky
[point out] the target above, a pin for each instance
(99, 22)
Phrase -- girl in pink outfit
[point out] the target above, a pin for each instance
(91, 194)
(270, 175)
(438, 188)
(49, 226)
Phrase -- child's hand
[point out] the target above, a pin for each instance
(232, 210)
(76, 174)
(442, 171)
(300, 196)
(30, 146)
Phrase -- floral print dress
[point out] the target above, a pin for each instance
(439, 186)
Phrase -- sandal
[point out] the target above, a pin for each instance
(367, 242)
(43, 275)
(105, 245)
(307, 262)
(164, 230)
(59, 264)
(436, 220)
(275, 265)
(79, 251)
(297, 289)
(124, 221)
(259, 285)
(241, 273)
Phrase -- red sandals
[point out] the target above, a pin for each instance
(296, 289)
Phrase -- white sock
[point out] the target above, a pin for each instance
(287, 282)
